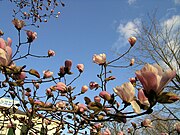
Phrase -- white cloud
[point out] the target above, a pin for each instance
(129, 29)
(130, 2)
(125, 31)
(173, 22)
(177, 1)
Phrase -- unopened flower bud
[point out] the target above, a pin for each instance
(1, 33)
(93, 85)
(47, 74)
(80, 67)
(132, 62)
(132, 40)
(51, 53)
(97, 99)
(146, 123)
(105, 95)
(31, 36)
(84, 89)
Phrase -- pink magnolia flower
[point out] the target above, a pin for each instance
(93, 85)
(47, 74)
(147, 123)
(82, 108)
(132, 40)
(153, 78)
(68, 65)
(49, 92)
(132, 80)
(99, 59)
(22, 76)
(105, 95)
(126, 92)
(28, 94)
(97, 99)
(51, 53)
(5, 52)
(84, 89)
(19, 24)
(106, 132)
(62, 71)
(61, 104)
(98, 125)
(61, 86)
(1, 33)
(132, 62)
(31, 35)
(80, 67)
(142, 98)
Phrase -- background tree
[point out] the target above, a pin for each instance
(159, 43)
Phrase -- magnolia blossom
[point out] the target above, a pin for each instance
(68, 65)
(49, 92)
(132, 62)
(47, 74)
(127, 92)
(1, 33)
(147, 123)
(132, 40)
(19, 24)
(5, 52)
(61, 104)
(62, 71)
(51, 53)
(98, 125)
(132, 80)
(99, 59)
(61, 86)
(106, 132)
(153, 78)
(80, 67)
(105, 95)
(97, 99)
(93, 85)
(82, 108)
(31, 35)
(84, 89)
(142, 98)
(22, 76)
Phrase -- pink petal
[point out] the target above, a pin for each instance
(166, 78)
(148, 80)
(135, 107)
(2, 44)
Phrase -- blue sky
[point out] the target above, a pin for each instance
(87, 27)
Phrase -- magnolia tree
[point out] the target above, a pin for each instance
(62, 103)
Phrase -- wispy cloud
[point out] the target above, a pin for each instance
(126, 30)
(172, 23)
(172, 26)
(177, 1)
(130, 2)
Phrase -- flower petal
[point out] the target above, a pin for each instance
(135, 107)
